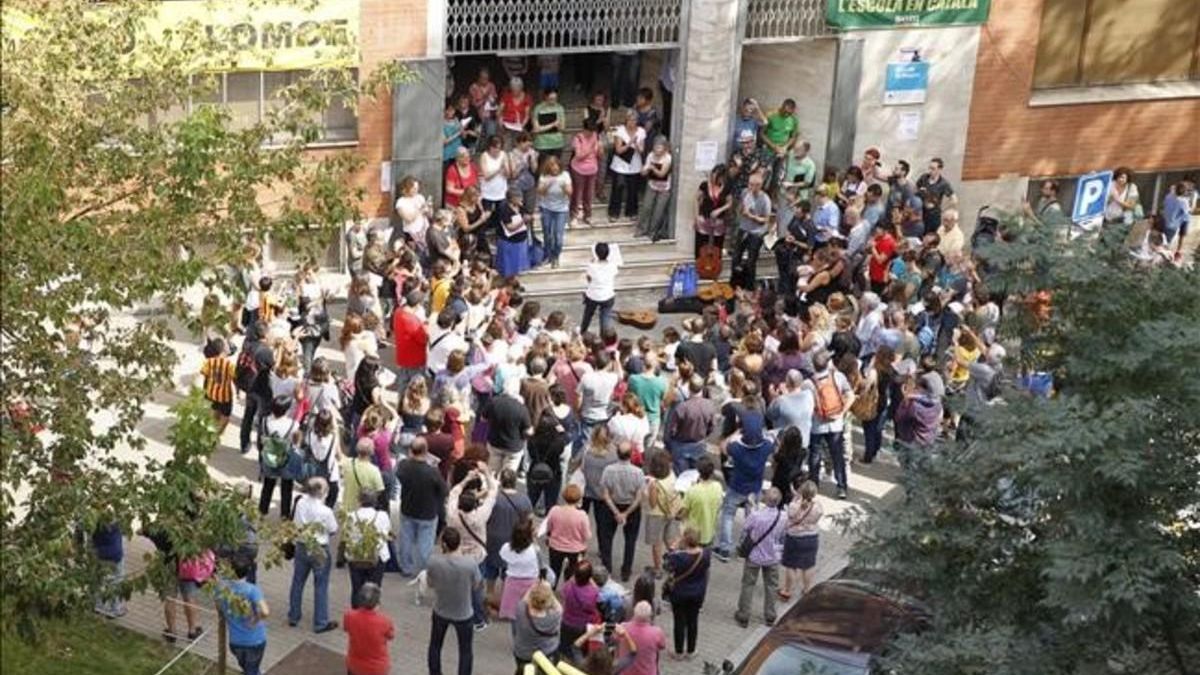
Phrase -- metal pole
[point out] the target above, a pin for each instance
(222, 647)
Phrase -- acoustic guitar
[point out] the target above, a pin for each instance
(638, 318)
(715, 291)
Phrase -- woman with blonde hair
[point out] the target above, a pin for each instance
(536, 625)
(285, 378)
(413, 405)
(800, 543)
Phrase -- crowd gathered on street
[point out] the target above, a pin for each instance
(508, 439)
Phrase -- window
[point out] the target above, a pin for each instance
(1151, 186)
(1102, 42)
(250, 95)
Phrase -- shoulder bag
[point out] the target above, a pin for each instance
(669, 583)
(747, 545)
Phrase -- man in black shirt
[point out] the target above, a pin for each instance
(422, 496)
(258, 396)
(509, 424)
(934, 190)
(697, 351)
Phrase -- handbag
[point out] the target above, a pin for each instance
(669, 583)
(746, 546)
(197, 569)
(537, 252)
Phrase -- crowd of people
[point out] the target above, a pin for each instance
(502, 440)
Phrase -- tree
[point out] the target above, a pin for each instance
(110, 204)
(1064, 537)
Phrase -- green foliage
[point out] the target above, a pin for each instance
(1065, 537)
(88, 644)
(110, 205)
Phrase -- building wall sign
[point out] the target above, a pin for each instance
(866, 14)
(238, 37)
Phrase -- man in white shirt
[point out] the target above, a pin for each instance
(950, 235)
(601, 291)
(869, 325)
(443, 340)
(316, 523)
(367, 553)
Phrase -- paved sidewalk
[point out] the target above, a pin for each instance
(720, 637)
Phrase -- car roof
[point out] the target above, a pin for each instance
(848, 614)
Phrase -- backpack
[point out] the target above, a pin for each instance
(277, 451)
(830, 403)
(247, 369)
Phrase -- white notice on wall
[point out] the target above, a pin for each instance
(385, 176)
(706, 155)
(910, 125)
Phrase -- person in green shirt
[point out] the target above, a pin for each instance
(779, 135)
(650, 387)
(800, 172)
(549, 120)
(702, 502)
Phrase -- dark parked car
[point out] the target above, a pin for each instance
(837, 628)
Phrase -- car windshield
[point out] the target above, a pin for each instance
(793, 659)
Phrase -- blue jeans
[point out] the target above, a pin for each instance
(416, 544)
(685, 454)
(302, 565)
(108, 602)
(437, 637)
(249, 658)
(837, 453)
(590, 307)
(480, 612)
(873, 436)
(729, 506)
(554, 232)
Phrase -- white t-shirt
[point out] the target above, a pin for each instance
(323, 450)
(628, 427)
(366, 516)
(280, 427)
(602, 279)
(555, 199)
(659, 184)
(412, 214)
(312, 510)
(494, 188)
(638, 140)
(440, 346)
(523, 565)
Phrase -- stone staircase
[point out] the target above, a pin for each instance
(646, 265)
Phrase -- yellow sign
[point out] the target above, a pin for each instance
(270, 36)
(276, 35)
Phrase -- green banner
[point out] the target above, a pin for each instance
(858, 14)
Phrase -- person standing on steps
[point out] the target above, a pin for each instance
(454, 579)
(554, 202)
(585, 168)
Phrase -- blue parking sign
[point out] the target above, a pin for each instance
(1091, 193)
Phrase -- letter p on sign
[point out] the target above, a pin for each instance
(1091, 192)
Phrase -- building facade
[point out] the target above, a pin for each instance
(1036, 90)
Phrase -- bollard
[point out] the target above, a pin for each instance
(544, 663)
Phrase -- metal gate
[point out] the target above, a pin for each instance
(499, 26)
(784, 20)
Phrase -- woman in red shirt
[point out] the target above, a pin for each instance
(369, 631)
(460, 175)
(514, 107)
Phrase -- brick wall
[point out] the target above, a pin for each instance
(1007, 136)
(390, 29)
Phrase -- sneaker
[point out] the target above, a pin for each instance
(168, 636)
(721, 555)
(195, 632)
(481, 626)
(841, 493)
(770, 621)
(326, 628)
(742, 621)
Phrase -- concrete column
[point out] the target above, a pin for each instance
(709, 81)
